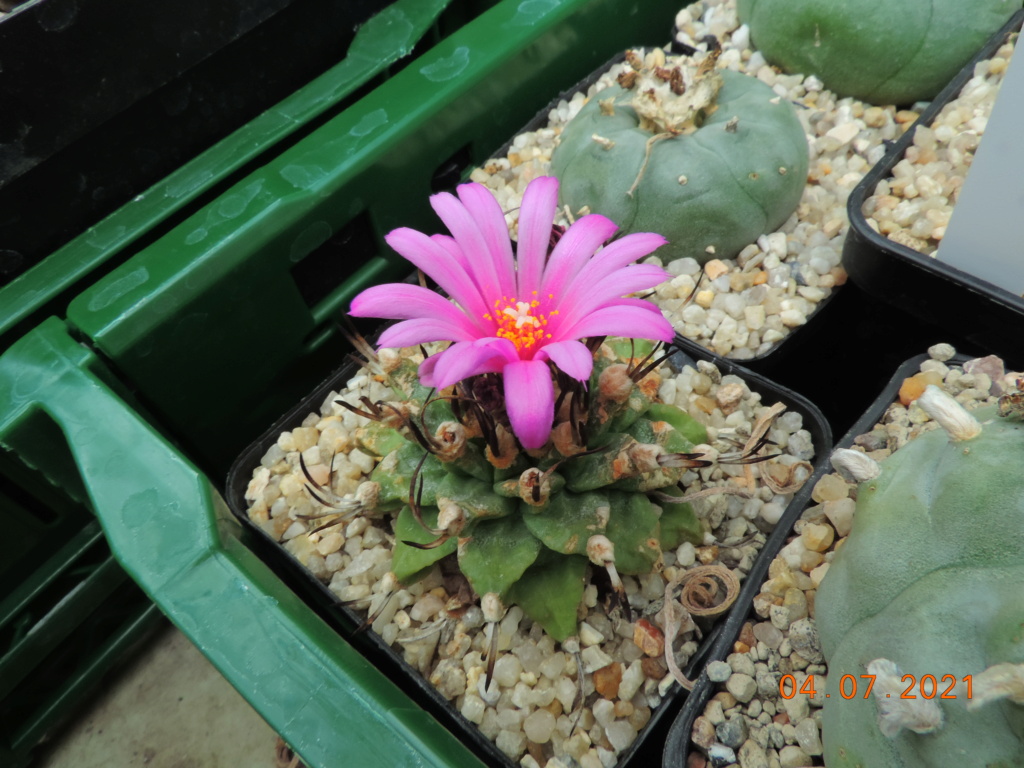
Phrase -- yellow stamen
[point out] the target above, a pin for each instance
(518, 323)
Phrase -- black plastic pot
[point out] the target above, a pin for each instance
(678, 746)
(936, 293)
(647, 749)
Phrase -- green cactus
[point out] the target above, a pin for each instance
(931, 578)
(525, 526)
(878, 51)
(709, 158)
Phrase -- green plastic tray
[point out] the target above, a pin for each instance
(379, 46)
(175, 537)
(227, 319)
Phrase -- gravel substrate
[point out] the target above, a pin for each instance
(743, 307)
(747, 723)
(531, 710)
(914, 205)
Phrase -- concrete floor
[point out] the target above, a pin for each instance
(169, 708)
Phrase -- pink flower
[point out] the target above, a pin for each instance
(514, 314)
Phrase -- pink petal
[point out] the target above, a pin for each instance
(529, 401)
(607, 291)
(467, 359)
(622, 320)
(571, 356)
(439, 265)
(482, 262)
(575, 248)
(398, 301)
(448, 243)
(426, 370)
(486, 213)
(616, 255)
(409, 333)
(536, 215)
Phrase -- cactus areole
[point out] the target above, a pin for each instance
(518, 447)
(879, 51)
(931, 582)
(709, 158)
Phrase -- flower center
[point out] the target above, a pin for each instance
(520, 323)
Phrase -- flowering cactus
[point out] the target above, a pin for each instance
(482, 453)
(931, 582)
(882, 53)
(710, 158)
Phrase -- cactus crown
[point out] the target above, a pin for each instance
(524, 525)
(671, 100)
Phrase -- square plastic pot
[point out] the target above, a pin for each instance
(678, 745)
(944, 297)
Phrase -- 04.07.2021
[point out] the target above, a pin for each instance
(927, 687)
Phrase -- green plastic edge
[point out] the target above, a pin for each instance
(384, 39)
(214, 300)
(172, 533)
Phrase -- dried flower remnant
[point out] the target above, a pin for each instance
(896, 711)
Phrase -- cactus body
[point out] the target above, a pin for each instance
(879, 51)
(931, 578)
(522, 523)
(711, 183)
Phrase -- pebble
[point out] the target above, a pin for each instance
(914, 205)
(718, 671)
(732, 732)
(743, 687)
(539, 726)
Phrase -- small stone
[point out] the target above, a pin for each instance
(729, 397)
(741, 663)
(539, 726)
(830, 488)
(715, 268)
(632, 678)
(752, 755)
(649, 638)
(719, 671)
(732, 732)
(714, 711)
(941, 352)
(607, 679)
(808, 737)
(840, 513)
(817, 538)
(721, 755)
(803, 636)
(653, 669)
(779, 617)
(594, 658)
(792, 756)
(767, 684)
(743, 687)
(768, 634)
(589, 635)
(512, 743)
(621, 734)
(604, 711)
(703, 732)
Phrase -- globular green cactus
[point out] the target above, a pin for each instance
(931, 582)
(709, 158)
(879, 51)
(525, 525)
